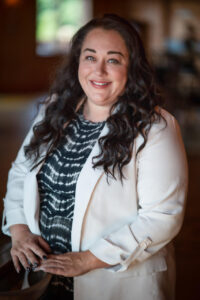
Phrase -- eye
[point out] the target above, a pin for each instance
(113, 61)
(91, 58)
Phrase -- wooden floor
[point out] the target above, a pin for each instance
(15, 118)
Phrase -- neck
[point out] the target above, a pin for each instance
(95, 113)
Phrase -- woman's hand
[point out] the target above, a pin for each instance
(27, 248)
(71, 264)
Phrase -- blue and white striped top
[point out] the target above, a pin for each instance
(57, 183)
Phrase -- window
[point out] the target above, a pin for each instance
(57, 21)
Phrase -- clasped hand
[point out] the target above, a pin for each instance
(28, 249)
(70, 264)
(31, 250)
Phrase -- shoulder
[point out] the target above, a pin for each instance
(164, 130)
(165, 127)
(167, 120)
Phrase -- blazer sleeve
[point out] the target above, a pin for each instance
(161, 187)
(13, 202)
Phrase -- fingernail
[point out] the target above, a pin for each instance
(18, 270)
(44, 257)
(35, 265)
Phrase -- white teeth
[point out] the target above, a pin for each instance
(100, 83)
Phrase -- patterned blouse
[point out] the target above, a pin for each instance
(57, 183)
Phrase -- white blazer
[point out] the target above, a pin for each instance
(129, 225)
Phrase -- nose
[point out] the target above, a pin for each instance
(100, 68)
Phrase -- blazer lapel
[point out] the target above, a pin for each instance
(32, 199)
(87, 180)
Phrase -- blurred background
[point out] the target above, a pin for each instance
(35, 35)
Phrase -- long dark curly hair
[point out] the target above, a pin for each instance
(136, 107)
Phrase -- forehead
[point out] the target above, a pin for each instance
(102, 39)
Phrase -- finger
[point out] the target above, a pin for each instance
(16, 263)
(38, 251)
(23, 260)
(44, 244)
(32, 258)
(53, 270)
(52, 263)
(61, 257)
(56, 257)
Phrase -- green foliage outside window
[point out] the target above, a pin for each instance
(58, 19)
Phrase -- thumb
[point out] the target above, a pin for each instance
(44, 244)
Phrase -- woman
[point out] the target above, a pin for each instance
(98, 194)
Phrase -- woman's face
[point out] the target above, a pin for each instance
(103, 66)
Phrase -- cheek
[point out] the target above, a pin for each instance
(118, 73)
(83, 72)
(80, 73)
(121, 77)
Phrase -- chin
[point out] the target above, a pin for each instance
(102, 101)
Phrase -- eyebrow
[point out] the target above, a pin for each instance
(88, 49)
(115, 52)
(109, 52)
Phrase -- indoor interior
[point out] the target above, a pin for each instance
(30, 55)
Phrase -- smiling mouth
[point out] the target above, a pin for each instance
(100, 84)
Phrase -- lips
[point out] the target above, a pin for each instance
(100, 84)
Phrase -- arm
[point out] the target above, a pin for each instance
(161, 188)
(13, 201)
(26, 246)
(71, 264)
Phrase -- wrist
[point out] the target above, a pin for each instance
(18, 228)
(94, 262)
